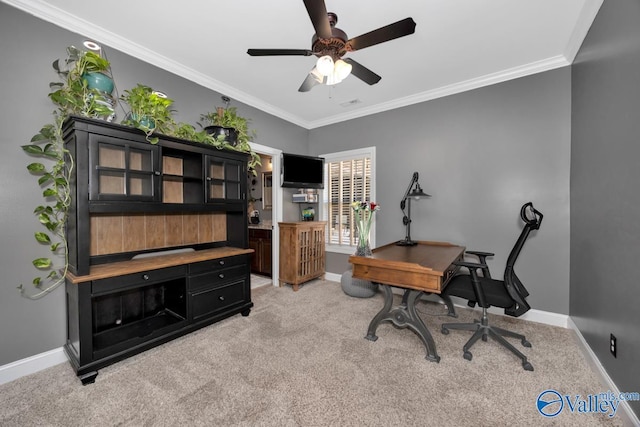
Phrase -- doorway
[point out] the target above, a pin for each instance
(275, 198)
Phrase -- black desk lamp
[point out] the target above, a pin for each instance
(411, 193)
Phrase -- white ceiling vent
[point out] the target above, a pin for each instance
(350, 103)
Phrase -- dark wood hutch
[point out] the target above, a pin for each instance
(158, 243)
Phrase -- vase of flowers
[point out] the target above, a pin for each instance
(363, 216)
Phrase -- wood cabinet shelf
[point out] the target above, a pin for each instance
(302, 254)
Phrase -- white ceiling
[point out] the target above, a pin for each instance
(458, 45)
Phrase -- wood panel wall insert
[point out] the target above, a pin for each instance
(116, 233)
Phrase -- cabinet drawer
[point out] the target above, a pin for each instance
(216, 264)
(210, 301)
(216, 278)
(258, 233)
(136, 279)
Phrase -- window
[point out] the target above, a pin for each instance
(349, 176)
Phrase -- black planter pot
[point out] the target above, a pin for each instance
(230, 134)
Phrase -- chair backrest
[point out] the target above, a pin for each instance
(532, 219)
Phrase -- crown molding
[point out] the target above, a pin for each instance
(486, 80)
(585, 20)
(70, 22)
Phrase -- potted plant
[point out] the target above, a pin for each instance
(85, 87)
(235, 127)
(215, 124)
(72, 96)
(225, 124)
(149, 111)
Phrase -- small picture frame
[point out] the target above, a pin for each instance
(267, 190)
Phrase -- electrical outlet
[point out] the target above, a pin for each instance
(613, 345)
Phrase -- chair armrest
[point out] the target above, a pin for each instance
(480, 253)
(482, 256)
(475, 281)
(471, 265)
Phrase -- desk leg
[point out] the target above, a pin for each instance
(382, 314)
(404, 316)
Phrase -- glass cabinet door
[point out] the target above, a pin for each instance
(224, 179)
(122, 170)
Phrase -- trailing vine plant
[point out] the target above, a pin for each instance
(71, 95)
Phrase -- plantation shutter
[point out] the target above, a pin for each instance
(349, 181)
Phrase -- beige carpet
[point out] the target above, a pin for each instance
(300, 359)
(258, 281)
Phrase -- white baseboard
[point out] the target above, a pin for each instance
(539, 316)
(332, 277)
(31, 365)
(627, 415)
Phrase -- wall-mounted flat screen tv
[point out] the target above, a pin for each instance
(302, 171)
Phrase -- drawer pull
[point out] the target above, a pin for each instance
(221, 275)
(221, 298)
(145, 277)
(221, 262)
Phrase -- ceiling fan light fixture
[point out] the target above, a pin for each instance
(316, 75)
(342, 69)
(325, 65)
(332, 79)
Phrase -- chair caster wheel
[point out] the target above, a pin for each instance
(526, 343)
(467, 355)
(444, 331)
(527, 366)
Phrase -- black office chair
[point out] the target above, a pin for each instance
(478, 287)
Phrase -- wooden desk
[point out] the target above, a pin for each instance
(425, 267)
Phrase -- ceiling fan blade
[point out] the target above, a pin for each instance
(318, 13)
(309, 82)
(362, 72)
(277, 52)
(392, 31)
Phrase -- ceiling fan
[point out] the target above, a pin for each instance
(330, 44)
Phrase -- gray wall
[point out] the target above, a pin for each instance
(28, 46)
(481, 155)
(605, 199)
